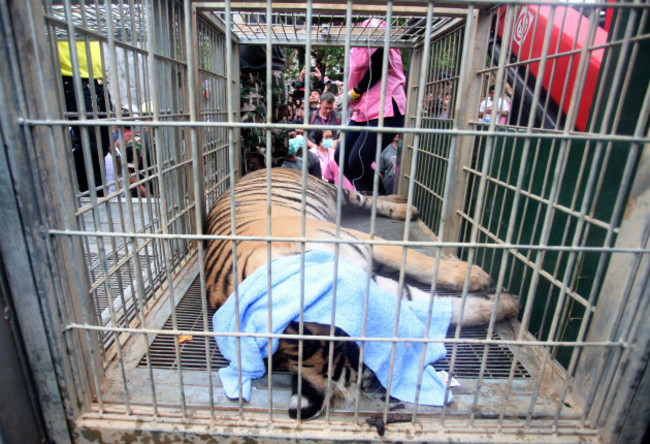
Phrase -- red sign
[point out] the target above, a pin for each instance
(569, 35)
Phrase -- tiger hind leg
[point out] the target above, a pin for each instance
(391, 206)
(477, 310)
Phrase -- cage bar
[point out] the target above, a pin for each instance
(546, 191)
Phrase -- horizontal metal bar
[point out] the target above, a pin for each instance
(119, 43)
(53, 21)
(430, 192)
(422, 3)
(532, 264)
(412, 244)
(231, 423)
(403, 130)
(213, 74)
(174, 332)
(545, 201)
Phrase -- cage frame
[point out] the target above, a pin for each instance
(34, 244)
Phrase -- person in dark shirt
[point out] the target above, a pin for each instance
(324, 115)
(294, 157)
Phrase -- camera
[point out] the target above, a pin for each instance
(298, 90)
(312, 69)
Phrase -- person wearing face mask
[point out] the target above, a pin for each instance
(324, 149)
(324, 115)
(294, 156)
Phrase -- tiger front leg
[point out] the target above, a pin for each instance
(312, 399)
(451, 273)
(313, 374)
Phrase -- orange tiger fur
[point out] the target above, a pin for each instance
(320, 211)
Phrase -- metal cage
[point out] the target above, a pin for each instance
(101, 269)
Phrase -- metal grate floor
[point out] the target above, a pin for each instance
(119, 281)
(470, 356)
(193, 351)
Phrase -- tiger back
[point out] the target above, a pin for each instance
(318, 212)
(286, 209)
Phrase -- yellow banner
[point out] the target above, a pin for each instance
(95, 57)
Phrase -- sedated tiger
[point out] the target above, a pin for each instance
(320, 210)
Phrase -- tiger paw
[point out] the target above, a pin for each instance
(308, 409)
(508, 305)
(479, 280)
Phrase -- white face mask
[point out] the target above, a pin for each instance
(295, 145)
(327, 143)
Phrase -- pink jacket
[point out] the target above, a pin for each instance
(330, 169)
(367, 107)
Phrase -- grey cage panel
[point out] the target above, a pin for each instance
(123, 125)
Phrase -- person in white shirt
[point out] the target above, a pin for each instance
(485, 108)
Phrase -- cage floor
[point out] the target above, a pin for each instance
(192, 352)
(119, 281)
(170, 381)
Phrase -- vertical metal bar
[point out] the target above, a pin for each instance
(127, 78)
(69, 310)
(554, 64)
(511, 225)
(54, 410)
(641, 122)
(546, 228)
(418, 124)
(543, 192)
(384, 82)
(544, 58)
(136, 55)
(583, 66)
(342, 156)
(567, 78)
(233, 222)
(194, 87)
(113, 243)
(131, 219)
(480, 198)
(269, 223)
(93, 191)
(527, 64)
(152, 80)
(597, 100)
(630, 165)
(303, 203)
(536, 275)
(163, 197)
(332, 329)
(586, 202)
(611, 99)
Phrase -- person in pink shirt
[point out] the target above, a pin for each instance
(364, 100)
(325, 151)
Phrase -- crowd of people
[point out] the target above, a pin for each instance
(324, 106)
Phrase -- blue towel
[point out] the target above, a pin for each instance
(319, 270)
